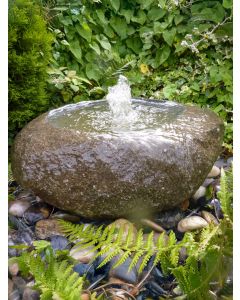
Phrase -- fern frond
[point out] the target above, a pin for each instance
(226, 192)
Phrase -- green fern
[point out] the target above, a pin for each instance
(54, 279)
(226, 192)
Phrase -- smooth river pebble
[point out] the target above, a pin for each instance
(191, 223)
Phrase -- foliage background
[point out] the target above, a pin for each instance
(176, 50)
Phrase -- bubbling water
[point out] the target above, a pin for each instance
(119, 100)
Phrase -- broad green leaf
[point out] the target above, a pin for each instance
(168, 36)
(109, 32)
(103, 41)
(162, 3)
(140, 18)
(115, 4)
(65, 43)
(178, 19)
(101, 16)
(146, 3)
(215, 74)
(227, 3)
(65, 20)
(169, 90)
(135, 44)
(127, 13)
(120, 26)
(76, 49)
(130, 30)
(208, 11)
(162, 55)
(75, 88)
(159, 27)
(156, 13)
(225, 29)
(95, 47)
(93, 72)
(85, 31)
(195, 87)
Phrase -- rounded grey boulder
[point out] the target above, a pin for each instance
(112, 174)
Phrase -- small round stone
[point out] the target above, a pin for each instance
(83, 255)
(121, 272)
(201, 192)
(209, 217)
(191, 223)
(13, 268)
(18, 207)
(46, 228)
(214, 172)
(30, 294)
(126, 227)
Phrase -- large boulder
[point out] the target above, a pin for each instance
(111, 176)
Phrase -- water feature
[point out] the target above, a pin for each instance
(118, 156)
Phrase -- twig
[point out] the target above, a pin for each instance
(140, 284)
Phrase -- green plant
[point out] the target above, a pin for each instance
(29, 52)
(53, 278)
(182, 49)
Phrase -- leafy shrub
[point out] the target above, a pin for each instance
(29, 54)
(182, 49)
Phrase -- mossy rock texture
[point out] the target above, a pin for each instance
(107, 176)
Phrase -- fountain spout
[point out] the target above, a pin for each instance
(119, 100)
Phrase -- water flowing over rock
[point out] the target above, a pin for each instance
(77, 159)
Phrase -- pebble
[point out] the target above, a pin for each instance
(65, 216)
(13, 268)
(30, 294)
(26, 195)
(170, 219)
(46, 228)
(214, 172)
(83, 255)
(59, 242)
(230, 161)
(201, 192)
(207, 182)
(209, 217)
(126, 227)
(182, 255)
(18, 207)
(191, 223)
(36, 213)
(85, 296)
(221, 163)
(152, 225)
(121, 272)
(19, 283)
(85, 270)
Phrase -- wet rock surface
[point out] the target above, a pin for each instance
(196, 216)
(112, 175)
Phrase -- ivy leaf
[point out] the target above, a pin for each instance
(120, 26)
(85, 31)
(140, 18)
(115, 4)
(162, 55)
(227, 3)
(169, 35)
(159, 27)
(76, 49)
(156, 13)
(75, 88)
(135, 44)
(208, 11)
(95, 47)
(178, 19)
(103, 41)
(127, 13)
(92, 72)
(101, 16)
(145, 3)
